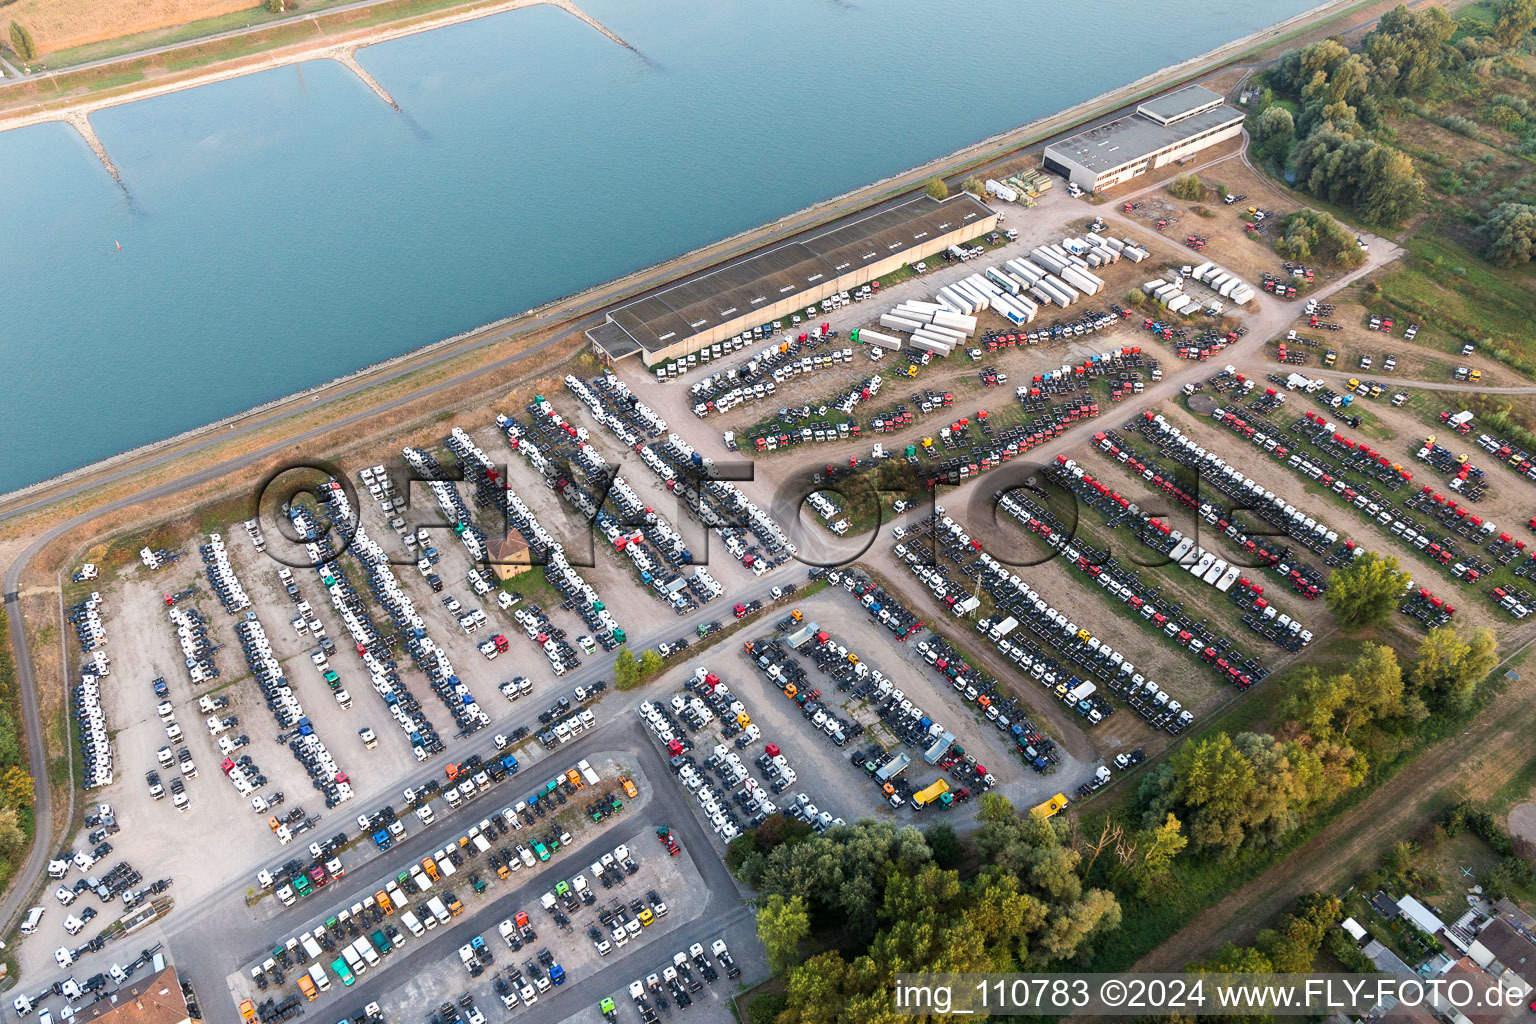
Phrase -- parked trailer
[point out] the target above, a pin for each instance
(1243, 293)
(1012, 312)
(1029, 306)
(876, 338)
(906, 312)
(1082, 280)
(1023, 307)
(973, 295)
(1003, 281)
(1134, 253)
(897, 323)
(1199, 272)
(1228, 578)
(1054, 292)
(956, 301)
(1001, 191)
(1025, 271)
(930, 345)
(1215, 572)
(1181, 549)
(954, 337)
(1060, 285)
(1181, 303)
(919, 306)
(960, 322)
(1047, 262)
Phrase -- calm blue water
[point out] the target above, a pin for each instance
(288, 227)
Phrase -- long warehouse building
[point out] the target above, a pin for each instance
(777, 282)
(1161, 131)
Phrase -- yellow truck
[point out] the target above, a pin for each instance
(1050, 807)
(924, 797)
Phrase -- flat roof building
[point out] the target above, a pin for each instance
(786, 278)
(1162, 130)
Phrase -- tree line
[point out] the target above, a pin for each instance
(1338, 143)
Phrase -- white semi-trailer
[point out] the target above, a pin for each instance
(964, 324)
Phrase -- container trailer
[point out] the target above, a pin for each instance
(897, 323)
(876, 338)
(1002, 280)
(957, 321)
(955, 301)
(1026, 272)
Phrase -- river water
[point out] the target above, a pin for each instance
(288, 227)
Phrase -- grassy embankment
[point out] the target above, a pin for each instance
(16, 821)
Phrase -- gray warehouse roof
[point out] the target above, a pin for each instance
(1132, 138)
(708, 300)
(1180, 103)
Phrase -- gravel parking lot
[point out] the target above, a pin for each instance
(837, 611)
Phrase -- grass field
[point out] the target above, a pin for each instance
(62, 24)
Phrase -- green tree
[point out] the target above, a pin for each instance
(1306, 232)
(275, 6)
(1296, 939)
(1274, 132)
(936, 188)
(1510, 230)
(944, 843)
(1364, 592)
(974, 185)
(782, 925)
(1212, 782)
(1149, 858)
(1512, 19)
(1331, 706)
(1408, 48)
(650, 664)
(15, 787)
(21, 42)
(1187, 186)
(1448, 668)
(626, 672)
(13, 838)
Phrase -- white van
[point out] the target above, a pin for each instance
(412, 925)
(33, 917)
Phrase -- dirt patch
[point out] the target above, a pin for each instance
(1522, 826)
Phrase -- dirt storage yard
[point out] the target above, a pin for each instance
(850, 625)
(1472, 608)
(1228, 242)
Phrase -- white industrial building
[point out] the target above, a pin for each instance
(1161, 131)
